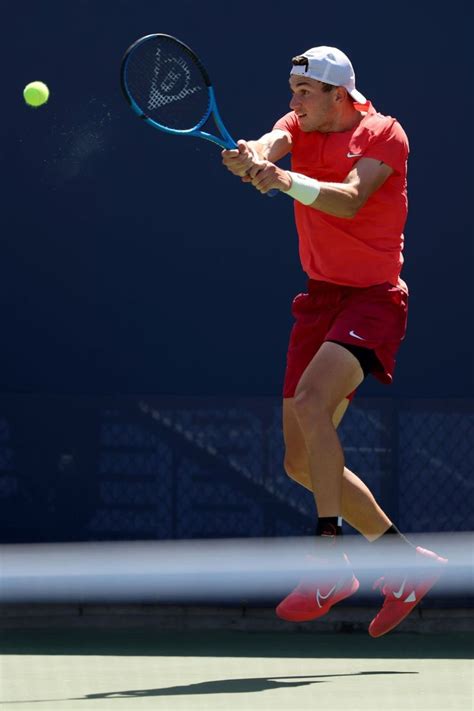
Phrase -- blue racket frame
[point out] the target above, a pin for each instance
(225, 141)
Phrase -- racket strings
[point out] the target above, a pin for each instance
(167, 84)
(161, 92)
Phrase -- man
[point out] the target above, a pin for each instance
(348, 181)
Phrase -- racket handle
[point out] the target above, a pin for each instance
(272, 193)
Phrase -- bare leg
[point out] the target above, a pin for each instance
(359, 507)
(332, 373)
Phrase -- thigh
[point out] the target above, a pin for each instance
(313, 319)
(316, 314)
(333, 374)
(375, 319)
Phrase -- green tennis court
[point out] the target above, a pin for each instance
(128, 670)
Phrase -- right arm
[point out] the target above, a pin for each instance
(271, 147)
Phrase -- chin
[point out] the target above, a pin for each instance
(305, 126)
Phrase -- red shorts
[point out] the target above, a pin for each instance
(372, 317)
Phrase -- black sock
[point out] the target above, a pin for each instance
(329, 527)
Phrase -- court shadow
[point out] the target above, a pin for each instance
(220, 686)
(232, 686)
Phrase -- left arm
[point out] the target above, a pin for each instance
(339, 199)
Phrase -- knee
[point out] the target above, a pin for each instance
(311, 406)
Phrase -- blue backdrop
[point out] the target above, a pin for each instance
(133, 262)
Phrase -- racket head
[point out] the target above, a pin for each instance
(165, 83)
(168, 86)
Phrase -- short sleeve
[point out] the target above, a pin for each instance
(288, 123)
(390, 146)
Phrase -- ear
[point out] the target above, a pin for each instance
(340, 94)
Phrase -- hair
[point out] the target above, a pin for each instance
(326, 88)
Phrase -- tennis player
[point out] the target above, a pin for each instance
(348, 183)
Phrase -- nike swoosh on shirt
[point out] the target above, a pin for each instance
(354, 155)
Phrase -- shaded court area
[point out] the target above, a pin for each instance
(132, 669)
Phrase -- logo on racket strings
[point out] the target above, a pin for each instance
(171, 81)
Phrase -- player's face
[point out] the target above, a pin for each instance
(315, 108)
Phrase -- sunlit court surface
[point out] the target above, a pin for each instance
(190, 625)
(156, 669)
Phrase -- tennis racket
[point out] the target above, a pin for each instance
(167, 86)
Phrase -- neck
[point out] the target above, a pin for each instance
(347, 119)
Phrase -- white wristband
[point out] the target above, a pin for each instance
(303, 189)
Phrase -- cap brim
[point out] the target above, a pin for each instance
(358, 97)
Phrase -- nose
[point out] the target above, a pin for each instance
(294, 102)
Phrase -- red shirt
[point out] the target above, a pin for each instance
(366, 249)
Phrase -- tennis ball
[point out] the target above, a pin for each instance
(36, 93)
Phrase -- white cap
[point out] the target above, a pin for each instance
(331, 66)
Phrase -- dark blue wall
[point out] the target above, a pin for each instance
(132, 262)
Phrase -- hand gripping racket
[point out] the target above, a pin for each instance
(167, 86)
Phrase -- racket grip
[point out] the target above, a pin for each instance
(272, 193)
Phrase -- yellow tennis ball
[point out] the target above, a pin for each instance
(36, 93)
